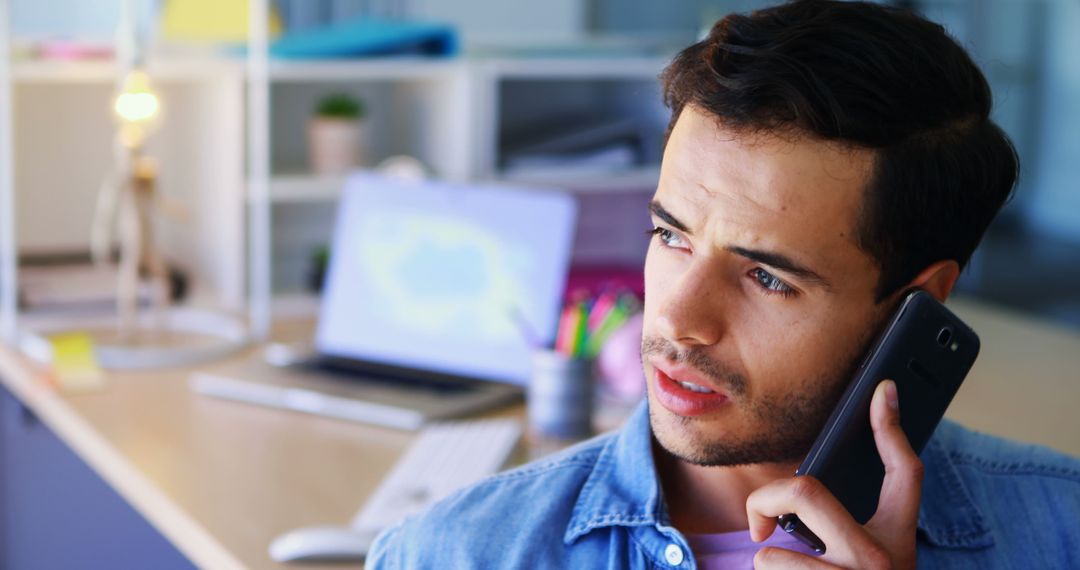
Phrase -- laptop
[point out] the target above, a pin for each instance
(435, 295)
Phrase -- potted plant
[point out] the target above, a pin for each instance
(320, 258)
(336, 134)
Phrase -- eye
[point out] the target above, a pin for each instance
(668, 237)
(771, 284)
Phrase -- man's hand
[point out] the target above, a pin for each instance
(886, 541)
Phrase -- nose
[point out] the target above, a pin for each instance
(691, 311)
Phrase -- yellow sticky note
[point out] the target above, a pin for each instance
(75, 368)
(211, 20)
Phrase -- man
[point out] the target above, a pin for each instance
(822, 159)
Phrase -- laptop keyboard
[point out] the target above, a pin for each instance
(346, 369)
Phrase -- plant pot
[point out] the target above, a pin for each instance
(335, 145)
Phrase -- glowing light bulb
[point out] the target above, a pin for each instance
(136, 107)
(137, 102)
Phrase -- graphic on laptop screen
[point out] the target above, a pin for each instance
(436, 273)
(431, 275)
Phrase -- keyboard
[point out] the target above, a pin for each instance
(444, 458)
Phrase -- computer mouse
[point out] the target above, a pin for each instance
(321, 543)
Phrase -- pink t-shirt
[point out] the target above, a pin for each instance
(736, 550)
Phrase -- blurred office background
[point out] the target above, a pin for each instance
(566, 97)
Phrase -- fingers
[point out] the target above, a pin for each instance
(891, 536)
(771, 557)
(805, 496)
(817, 508)
(898, 504)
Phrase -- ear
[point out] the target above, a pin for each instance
(937, 279)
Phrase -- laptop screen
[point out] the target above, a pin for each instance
(445, 277)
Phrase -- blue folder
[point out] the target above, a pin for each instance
(368, 37)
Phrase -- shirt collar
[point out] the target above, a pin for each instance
(948, 516)
(624, 490)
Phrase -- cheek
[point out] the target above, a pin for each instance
(782, 353)
(658, 273)
(800, 353)
(665, 285)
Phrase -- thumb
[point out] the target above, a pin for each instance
(901, 491)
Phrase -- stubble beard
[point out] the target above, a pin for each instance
(783, 427)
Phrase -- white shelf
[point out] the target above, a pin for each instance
(643, 179)
(302, 188)
(311, 188)
(375, 69)
(382, 69)
(106, 71)
(604, 68)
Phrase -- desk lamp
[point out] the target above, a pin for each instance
(127, 197)
(127, 205)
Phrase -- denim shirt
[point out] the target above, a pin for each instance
(986, 503)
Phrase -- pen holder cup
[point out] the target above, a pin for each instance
(560, 396)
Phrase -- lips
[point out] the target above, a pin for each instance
(684, 392)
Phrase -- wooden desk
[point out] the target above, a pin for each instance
(1026, 383)
(220, 480)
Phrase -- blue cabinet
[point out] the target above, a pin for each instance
(55, 512)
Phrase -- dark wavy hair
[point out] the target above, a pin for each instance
(871, 77)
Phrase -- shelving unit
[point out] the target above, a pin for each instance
(61, 137)
(452, 115)
(233, 145)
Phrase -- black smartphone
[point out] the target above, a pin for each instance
(927, 351)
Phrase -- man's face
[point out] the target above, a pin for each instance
(756, 294)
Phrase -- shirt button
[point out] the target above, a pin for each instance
(673, 554)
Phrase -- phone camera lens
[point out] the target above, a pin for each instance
(944, 336)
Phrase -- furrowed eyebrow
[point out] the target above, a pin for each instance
(781, 262)
(663, 214)
(770, 258)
